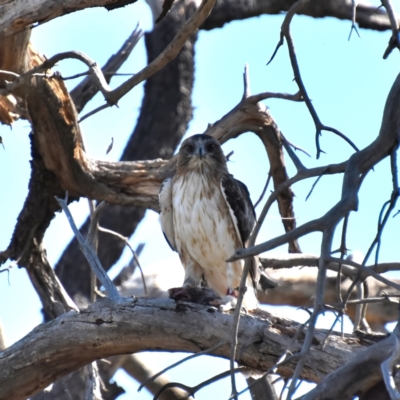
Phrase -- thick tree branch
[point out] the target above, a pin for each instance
(295, 287)
(105, 328)
(367, 15)
(18, 56)
(53, 296)
(17, 17)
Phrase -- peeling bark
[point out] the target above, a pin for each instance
(16, 55)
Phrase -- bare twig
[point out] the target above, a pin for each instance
(394, 39)
(313, 186)
(364, 323)
(368, 271)
(358, 314)
(105, 73)
(391, 203)
(95, 111)
(353, 19)
(49, 63)
(112, 96)
(7, 269)
(280, 43)
(246, 82)
(155, 376)
(298, 232)
(255, 98)
(90, 254)
(285, 34)
(361, 310)
(264, 190)
(191, 390)
(293, 260)
(94, 222)
(165, 57)
(296, 161)
(281, 361)
(87, 88)
(136, 366)
(338, 315)
(295, 146)
(343, 251)
(384, 299)
(318, 307)
(235, 324)
(93, 241)
(134, 254)
(109, 148)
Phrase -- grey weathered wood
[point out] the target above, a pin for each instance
(74, 339)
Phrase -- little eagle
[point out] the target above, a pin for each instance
(206, 214)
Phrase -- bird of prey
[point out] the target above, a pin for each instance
(206, 214)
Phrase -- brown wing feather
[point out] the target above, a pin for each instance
(238, 199)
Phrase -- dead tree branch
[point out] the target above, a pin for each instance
(367, 16)
(394, 24)
(358, 164)
(297, 7)
(346, 381)
(18, 16)
(87, 89)
(90, 254)
(106, 328)
(139, 370)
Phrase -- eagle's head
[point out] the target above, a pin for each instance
(201, 153)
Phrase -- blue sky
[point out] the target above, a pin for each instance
(348, 82)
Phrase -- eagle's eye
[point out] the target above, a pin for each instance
(189, 148)
(210, 147)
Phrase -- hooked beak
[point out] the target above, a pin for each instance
(200, 151)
